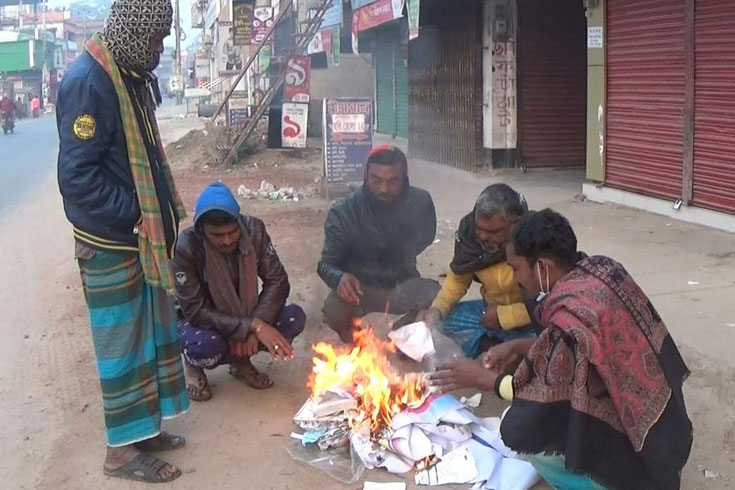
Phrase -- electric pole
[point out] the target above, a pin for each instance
(177, 55)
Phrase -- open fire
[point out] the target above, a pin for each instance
(394, 421)
(365, 372)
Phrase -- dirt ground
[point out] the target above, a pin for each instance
(51, 430)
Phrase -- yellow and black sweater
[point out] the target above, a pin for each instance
(498, 289)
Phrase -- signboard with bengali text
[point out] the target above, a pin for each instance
(242, 15)
(348, 137)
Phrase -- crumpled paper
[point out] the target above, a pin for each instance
(414, 340)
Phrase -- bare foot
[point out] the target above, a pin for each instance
(197, 385)
(244, 371)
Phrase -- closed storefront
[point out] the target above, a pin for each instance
(552, 82)
(391, 81)
(713, 183)
(670, 126)
(445, 85)
(645, 96)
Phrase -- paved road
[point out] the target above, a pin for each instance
(27, 158)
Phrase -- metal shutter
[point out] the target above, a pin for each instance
(714, 102)
(645, 96)
(552, 82)
(445, 89)
(384, 83)
(400, 71)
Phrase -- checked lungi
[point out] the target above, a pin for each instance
(136, 343)
(462, 324)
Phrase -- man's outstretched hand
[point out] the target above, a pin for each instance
(506, 357)
(462, 373)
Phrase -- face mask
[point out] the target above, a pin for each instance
(543, 293)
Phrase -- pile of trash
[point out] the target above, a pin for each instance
(270, 192)
(438, 438)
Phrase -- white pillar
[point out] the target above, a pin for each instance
(499, 74)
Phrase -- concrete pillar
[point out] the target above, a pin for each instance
(499, 74)
(596, 91)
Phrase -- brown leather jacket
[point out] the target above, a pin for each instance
(191, 283)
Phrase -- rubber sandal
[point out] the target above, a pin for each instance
(161, 443)
(149, 466)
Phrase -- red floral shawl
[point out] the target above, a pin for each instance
(603, 383)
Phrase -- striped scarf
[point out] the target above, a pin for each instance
(151, 234)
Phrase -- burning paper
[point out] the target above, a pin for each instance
(393, 421)
(364, 370)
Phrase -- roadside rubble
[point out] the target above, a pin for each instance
(270, 192)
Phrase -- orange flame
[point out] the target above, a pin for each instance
(364, 371)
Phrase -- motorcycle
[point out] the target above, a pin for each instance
(8, 123)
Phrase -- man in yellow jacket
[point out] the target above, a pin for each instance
(479, 255)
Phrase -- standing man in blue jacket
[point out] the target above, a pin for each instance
(119, 196)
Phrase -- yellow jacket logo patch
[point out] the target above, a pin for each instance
(84, 126)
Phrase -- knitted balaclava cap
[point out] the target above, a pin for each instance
(130, 27)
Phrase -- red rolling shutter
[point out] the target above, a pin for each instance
(552, 82)
(714, 102)
(645, 96)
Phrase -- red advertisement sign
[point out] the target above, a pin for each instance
(297, 85)
(321, 43)
(378, 13)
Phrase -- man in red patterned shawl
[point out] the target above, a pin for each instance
(597, 398)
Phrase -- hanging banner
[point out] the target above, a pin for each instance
(297, 83)
(210, 16)
(413, 8)
(378, 13)
(201, 69)
(348, 137)
(264, 58)
(316, 45)
(320, 43)
(336, 45)
(294, 119)
(228, 54)
(332, 17)
(355, 32)
(224, 13)
(262, 21)
(242, 19)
